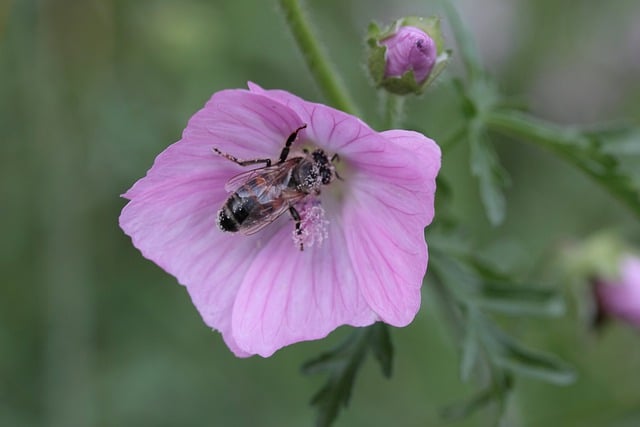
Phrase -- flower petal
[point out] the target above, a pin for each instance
(260, 291)
(243, 124)
(622, 298)
(410, 48)
(175, 227)
(172, 212)
(250, 124)
(289, 295)
(331, 129)
(388, 249)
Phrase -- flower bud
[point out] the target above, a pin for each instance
(611, 271)
(406, 57)
(620, 297)
(409, 49)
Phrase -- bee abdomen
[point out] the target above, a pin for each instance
(233, 213)
(225, 220)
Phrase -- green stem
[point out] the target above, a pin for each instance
(393, 110)
(571, 145)
(468, 51)
(453, 138)
(539, 131)
(316, 60)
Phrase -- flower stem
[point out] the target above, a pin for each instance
(571, 145)
(316, 60)
(468, 51)
(393, 110)
(533, 129)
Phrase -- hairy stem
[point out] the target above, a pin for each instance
(393, 110)
(322, 71)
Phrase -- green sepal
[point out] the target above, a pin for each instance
(598, 256)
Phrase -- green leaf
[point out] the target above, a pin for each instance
(461, 410)
(381, 346)
(597, 154)
(622, 139)
(520, 300)
(497, 392)
(342, 363)
(470, 347)
(492, 178)
(460, 280)
(498, 292)
(326, 362)
(515, 357)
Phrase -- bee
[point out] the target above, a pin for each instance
(262, 195)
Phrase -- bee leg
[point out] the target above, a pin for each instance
(336, 158)
(287, 145)
(296, 217)
(267, 162)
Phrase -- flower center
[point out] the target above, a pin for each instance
(313, 225)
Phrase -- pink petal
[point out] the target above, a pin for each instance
(251, 124)
(289, 296)
(172, 212)
(175, 227)
(388, 249)
(259, 291)
(238, 122)
(329, 128)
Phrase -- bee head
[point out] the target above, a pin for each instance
(326, 170)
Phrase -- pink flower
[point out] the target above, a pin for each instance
(621, 298)
(364, 256)
(410, 48)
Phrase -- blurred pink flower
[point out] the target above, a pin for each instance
(409, 48)
(621, 298)
(261, 291)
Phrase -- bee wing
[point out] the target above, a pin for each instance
(263, 217)
(235, 182)
(267, 186)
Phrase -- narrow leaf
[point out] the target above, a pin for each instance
(492, 178)
(495, 393)
(332, 359)
(470, 347)
(342, 364)
(461, 410)
(519, 359)
(381, 346)
(497, 292)
(519, 300)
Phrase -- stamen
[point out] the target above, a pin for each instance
(313, 225)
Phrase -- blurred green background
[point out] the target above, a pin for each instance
(92, 334)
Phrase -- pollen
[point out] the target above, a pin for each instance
(313, 225)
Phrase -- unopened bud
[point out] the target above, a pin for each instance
(409, 49)
(408, 56)
(612, 272)
(620, 297)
